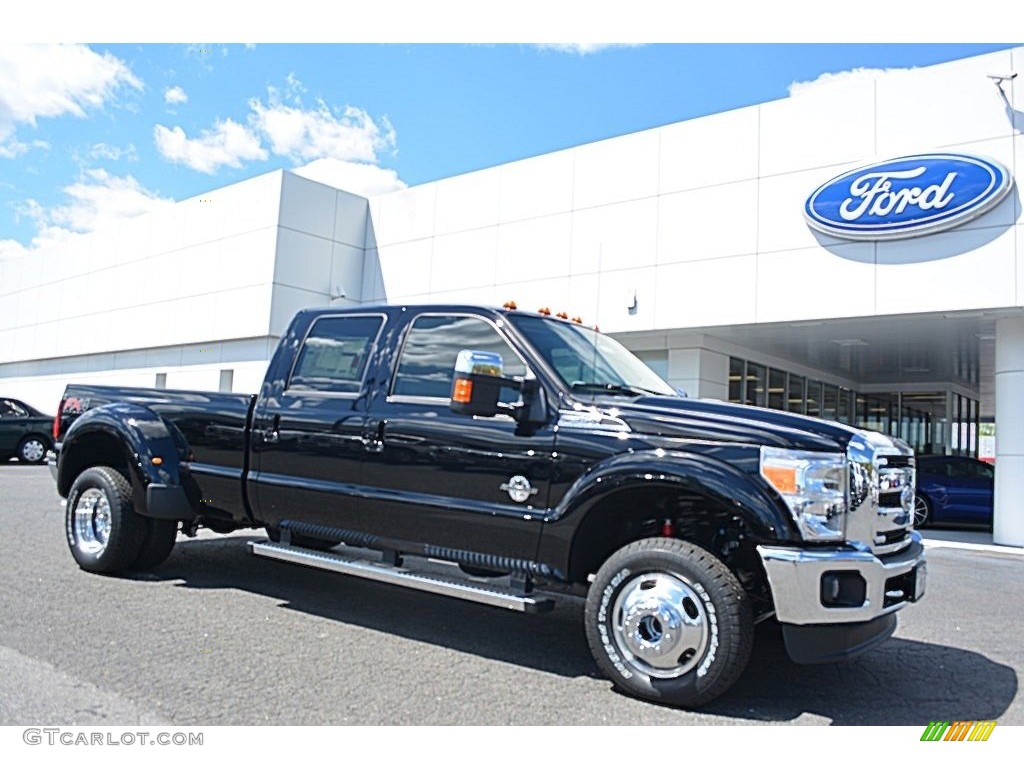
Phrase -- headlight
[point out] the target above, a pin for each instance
(813, 486)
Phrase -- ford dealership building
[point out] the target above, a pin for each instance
(854, 252)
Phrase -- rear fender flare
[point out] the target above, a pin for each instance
(143, 437)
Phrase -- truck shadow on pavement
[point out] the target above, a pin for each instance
(902, 682)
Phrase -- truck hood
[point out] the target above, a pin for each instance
(684, 418)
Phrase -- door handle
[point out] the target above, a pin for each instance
(373, 436)
(272, 434)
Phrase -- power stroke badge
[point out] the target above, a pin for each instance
(907, 196)
(518, 489)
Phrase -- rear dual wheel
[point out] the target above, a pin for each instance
(668, 622)
(104, 533)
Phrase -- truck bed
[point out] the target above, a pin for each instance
(214, 424)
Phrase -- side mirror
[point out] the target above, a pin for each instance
(476, 386)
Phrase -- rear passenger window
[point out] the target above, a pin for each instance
(335, 354)
(428, 357)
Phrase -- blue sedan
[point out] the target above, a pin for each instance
(953, 490)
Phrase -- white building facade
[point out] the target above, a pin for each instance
(689, 242)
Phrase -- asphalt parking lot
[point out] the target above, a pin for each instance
(216, 636)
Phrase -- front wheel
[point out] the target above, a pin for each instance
(668, 622)
(104, 533)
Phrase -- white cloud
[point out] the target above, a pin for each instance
(103, 151)
(348, 138)
(13, 148)
(97, 200)
(830, 79)
(175, 95)
(358, 178)
(307, 134)
(228, 143)
(39, 81)
(11, 249)
(581, 49)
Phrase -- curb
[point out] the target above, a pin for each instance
(993, 548)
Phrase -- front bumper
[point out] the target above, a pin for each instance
(842, 585)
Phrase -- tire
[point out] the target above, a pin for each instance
(646, 590)
(922, 511)
(306, 542)
(104, 533)
(156, 544)
(32, 449)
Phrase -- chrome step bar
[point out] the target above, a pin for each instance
(453, 586)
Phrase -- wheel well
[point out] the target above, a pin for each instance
(47, 440)
(97, 449)
(631, 514)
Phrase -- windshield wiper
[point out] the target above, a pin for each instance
(610, 389)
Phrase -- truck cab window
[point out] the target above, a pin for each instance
(427, 363)
(335, 353)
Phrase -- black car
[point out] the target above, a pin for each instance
(24, 432)
(953, 490)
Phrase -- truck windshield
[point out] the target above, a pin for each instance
(589, 362)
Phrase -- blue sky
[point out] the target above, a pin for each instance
(90, 134)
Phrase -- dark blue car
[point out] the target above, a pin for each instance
(953, 490)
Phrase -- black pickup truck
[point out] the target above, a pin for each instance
(535, 456)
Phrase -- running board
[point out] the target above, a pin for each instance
(389, 574)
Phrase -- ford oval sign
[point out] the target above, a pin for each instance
(908, 196)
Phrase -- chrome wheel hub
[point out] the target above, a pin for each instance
(33, 450)
(92, 522)
(660, 625)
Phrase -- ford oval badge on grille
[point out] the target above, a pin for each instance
(907, 196)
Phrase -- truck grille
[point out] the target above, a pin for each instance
(895, 502)
(896, 462)
(890, 500)
(881, 493)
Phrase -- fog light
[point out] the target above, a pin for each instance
(843, 589)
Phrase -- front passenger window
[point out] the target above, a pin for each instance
(427, 364)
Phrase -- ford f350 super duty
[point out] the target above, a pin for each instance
(535, 456)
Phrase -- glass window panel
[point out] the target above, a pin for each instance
(757, 388)
(427, 365)
(830, 401)
(735, 380)
(777, 389)
(813, 398)
(335, 353)
(795, 397)
(844, 411)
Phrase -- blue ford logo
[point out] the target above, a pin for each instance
(908, 196)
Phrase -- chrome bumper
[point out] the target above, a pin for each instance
(801, 581)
